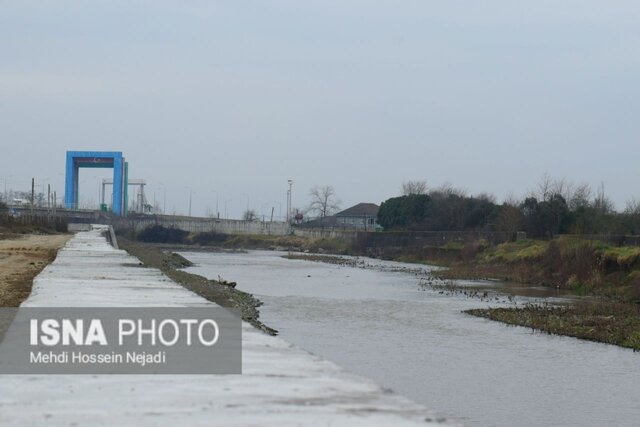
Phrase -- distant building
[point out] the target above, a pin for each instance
(363, 216)
(20, 202)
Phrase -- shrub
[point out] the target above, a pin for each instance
(209, 238)
(331, 245)
(160, 234)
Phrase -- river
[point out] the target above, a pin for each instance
(388, 326)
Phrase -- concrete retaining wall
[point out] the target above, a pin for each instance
(325, 233)
(198, 225)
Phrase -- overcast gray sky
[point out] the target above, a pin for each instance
(239, 96)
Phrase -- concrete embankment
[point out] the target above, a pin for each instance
(281, 385)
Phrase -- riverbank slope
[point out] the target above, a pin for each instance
(220, 292)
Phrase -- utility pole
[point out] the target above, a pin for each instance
(48, 198)
(226, 213)
(190, 194)
(290, 182)
(33, 193)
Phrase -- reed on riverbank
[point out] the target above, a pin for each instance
(602, 321)
(581, 266)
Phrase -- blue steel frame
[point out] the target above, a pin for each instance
(94, 159)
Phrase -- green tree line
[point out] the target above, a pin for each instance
(556, 207)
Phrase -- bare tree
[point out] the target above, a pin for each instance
(602, 203)
(414, 187)
(633, 206)
(512, 200)
(546, 187)
(249, 215)
(323, 200)
(578, 196)
(447, 190)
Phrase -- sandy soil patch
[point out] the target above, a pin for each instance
(21, 259)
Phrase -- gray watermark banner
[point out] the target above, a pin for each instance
(202, 340)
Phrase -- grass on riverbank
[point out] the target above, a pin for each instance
(582, 266)
(607, 322)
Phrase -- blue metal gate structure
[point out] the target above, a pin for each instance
(96, 159)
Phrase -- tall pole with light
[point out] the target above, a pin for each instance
(290, 182)
(164, 199)
(226, 213)
(6, 194)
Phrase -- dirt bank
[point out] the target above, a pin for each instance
(222, 293)
(22, 257)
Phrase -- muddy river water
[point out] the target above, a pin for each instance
(388, 326)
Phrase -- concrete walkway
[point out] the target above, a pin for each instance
(281, 385)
